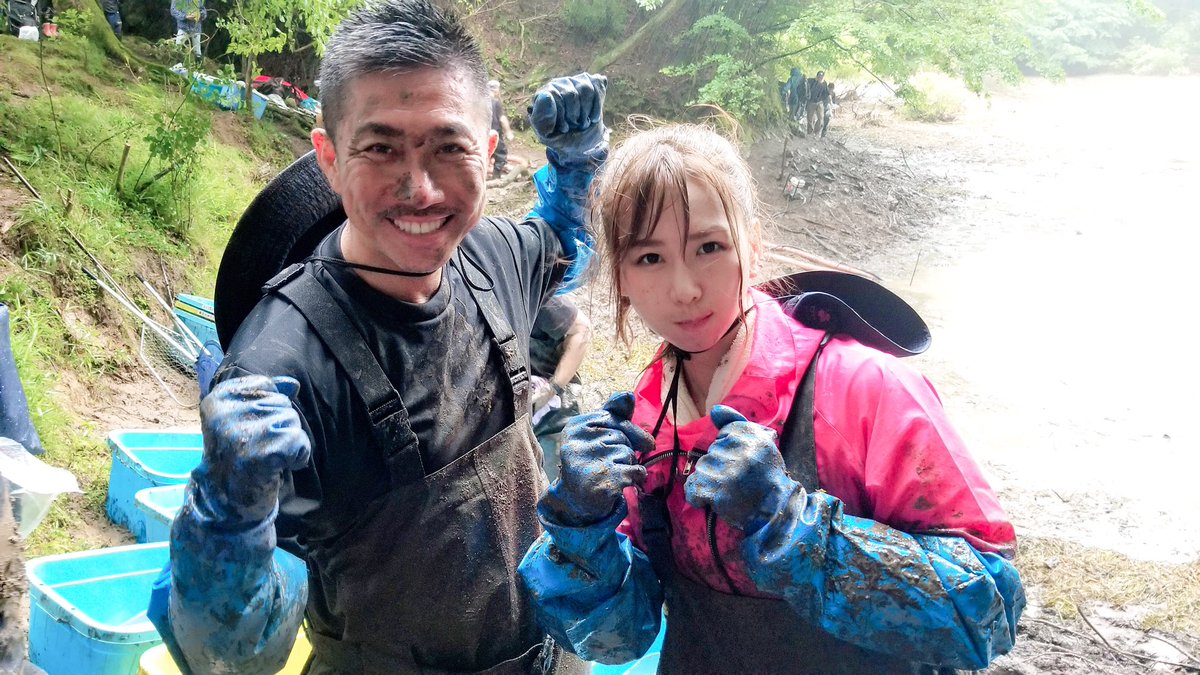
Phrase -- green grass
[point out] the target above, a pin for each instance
(66, 333)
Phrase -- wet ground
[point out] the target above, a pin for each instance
(1058, 290)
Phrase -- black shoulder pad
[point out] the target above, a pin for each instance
(290, 272)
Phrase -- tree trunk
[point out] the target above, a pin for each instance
(247, 77)
(98, 30)
(648, 30)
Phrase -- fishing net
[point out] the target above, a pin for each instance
(169, 367)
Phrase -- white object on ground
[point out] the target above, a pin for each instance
(34, 483)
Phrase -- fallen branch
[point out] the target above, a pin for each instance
(21, 177)
(121, 168)
(906, 166)
(783, 159)
(1172, 645)
(1131, 655)
(145, 186)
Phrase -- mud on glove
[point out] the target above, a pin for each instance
(567, 117)
(742, 476)
(599, 460)
(251, 436)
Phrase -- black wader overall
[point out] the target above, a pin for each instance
(429, 574)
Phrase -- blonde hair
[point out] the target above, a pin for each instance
(650, 169)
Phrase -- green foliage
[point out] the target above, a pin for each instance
(72, 22)
(265, 26)
(1087, 36)
(260, 26)
(66, 333)
(928, 98)
(733, 84)
(736, 52)
(594, 20)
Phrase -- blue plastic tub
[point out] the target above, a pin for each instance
(158, 507)
(88, 610)
(229, 96)
(144, 459)
(197, 314)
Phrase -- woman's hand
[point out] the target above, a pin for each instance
(742, 476)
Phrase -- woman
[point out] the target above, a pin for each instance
(889, 553)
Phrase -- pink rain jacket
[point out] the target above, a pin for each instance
(884, 446)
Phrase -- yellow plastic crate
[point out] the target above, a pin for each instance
(158, 661)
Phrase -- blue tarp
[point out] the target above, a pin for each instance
(15, 422)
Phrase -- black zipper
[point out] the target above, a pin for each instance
(716, 552)
(692, 456)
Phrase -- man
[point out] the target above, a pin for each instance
(376, 398)
(557, 347)
(189, 15)
(112, 12)
(818, 98)
(501, 127)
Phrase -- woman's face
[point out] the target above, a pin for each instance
(689, 290)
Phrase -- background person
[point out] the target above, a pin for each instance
(796, 94)
(189, 15)
(818, 99)
(112, 12)
(877, 546)
(557, 348)
(503, 131)
(371, 412)
(829, 108)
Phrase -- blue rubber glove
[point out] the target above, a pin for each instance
(599, 460)
(251, 436)
(742, 476)
(567, 117)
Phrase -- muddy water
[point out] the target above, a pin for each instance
(1061, 294)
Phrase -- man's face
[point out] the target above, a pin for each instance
(409, 163)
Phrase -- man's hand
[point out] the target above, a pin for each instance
(599, 460)
(251, 436)
(742, 477)
(567, 115)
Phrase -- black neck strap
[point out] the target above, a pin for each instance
(371, 268)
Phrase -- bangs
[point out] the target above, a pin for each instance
(644, 187)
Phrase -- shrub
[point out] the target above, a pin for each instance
(594, 20)
(929, 97)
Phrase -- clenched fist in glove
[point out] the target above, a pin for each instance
(567, 116)
(742, 476)
(251, 436)
(599, 460)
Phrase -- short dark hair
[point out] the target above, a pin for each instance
(395, 36)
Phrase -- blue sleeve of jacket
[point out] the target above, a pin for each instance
(236, 603)
(930, 599)
(592, 590)
(562, 201)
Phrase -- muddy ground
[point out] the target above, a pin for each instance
(1045, 241)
